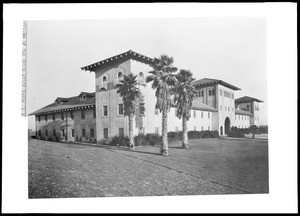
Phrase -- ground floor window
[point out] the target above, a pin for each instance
(40, 134)
(141, 130)
(201, 128)
(105, 132)
(121, 132)
(208, 127)
(92, 133)
(83, 132)
(73, 134)
(156, 129)
(46, 132)
(54, 133)
(63, 132)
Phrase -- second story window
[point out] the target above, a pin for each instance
(141, 77)
(208, 114)
(105, 111)
(72, 115)
(142, 108)
(201, 114)
(221, 92)
(82, 114)
(62, 116)
(46, 118)
(209, 92)
(38, 118)
(94, 112)
(120, 109)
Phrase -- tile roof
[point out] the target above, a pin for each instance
(247, 99)
(120, 57)
(242, 112)
(208, 81)
(71, 103)
(198, 105)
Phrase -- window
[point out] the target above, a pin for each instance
(54, 133)
(72, 114)
(62, 116)
(201, 114)
(142, 108)
(248, 107)
(232, 96)
(121, 109)
(201, 128)
(202, 93)
(156, 112)
(226, 94)
(141, 130)
(92, 133)
(121, 132)
(199, 93)
(83, 132)
(94, 112)
(82, 114)
(156, 130)
(208, 127)
(46, 132)
(209, 92)
(105, 133)
(39, 118)
(73, 134)
(141, 77)
(53, 117)
(46, 118)
(105, 112)
(40, 133)
(195, 128)
(221, 92)
(194, 113)
(208, 114)
(120, 76)
(104, 80)
(62, 132)
(213, 92)
(176, 129)
(239, 117)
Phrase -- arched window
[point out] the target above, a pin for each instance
(104, 79)
(141, 77)
(120, 76)
(103, 85)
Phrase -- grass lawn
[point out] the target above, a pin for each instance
(209, 166)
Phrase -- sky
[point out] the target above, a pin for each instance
(232, 49)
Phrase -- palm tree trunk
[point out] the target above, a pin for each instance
(185, 143)
(131, 139)
(164, 132)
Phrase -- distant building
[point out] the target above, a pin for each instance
(99, 115)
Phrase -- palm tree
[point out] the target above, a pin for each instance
(163, 80)
(184, 95)
(129, 92)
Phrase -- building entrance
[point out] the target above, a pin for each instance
(227, 125)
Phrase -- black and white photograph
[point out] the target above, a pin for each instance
(147, 107)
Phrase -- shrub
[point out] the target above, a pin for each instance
(119, 140)
(263, 129)
(237, 132)
(153, 139)
(140, 140)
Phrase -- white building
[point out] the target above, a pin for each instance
(214, 108)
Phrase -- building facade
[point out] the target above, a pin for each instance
(100, 115)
